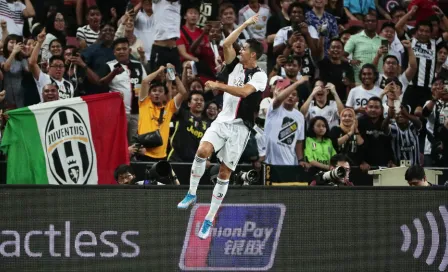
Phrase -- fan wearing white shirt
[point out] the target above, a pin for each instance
(257, 31)
(14, 13)
(359, 96)
(318, 104)
(144, 26)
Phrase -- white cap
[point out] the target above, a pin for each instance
(274, 79)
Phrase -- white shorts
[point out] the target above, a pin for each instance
(229, 140)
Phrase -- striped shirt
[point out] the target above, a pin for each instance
(405, 143)
(12, 13)
(87, 34)
(426, 62)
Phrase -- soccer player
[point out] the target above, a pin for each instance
(229, 133)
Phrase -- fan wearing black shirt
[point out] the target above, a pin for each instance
(334, 68)
(377, 149)
(189, 129)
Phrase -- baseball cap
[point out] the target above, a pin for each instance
(274, 80)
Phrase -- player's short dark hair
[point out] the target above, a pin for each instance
(313, 121)
(123, 169)
(296, 5)
(424, 23)
(415, 172)
(190, 95)
(376, 99)
(341, 157)
(120, 41)
(55, 58)
(255, 46)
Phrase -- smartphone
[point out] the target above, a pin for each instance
(75, 52)
(282, 83)
(397, 106)
(118, 65)
(385, 43)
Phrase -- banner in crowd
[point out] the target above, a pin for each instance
(72, 141)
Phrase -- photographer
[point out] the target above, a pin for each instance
(124, 175)
(335, 177)
(415, 176)
(155, 115)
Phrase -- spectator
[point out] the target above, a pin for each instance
(346, 138)
(323, 21)
(318, 146)
(334, 68)
(392, 69)
(436, 112)
(394, 93)
(228, 19)
(401, 19)
(55, 74)
(277, 21)
(189, 33)
(300, 49)
(258, 30)
(441, 64)
(144, 26)
(266, 102)
(364, 46)
(338, 160)
(154, 115)
(55, 28)
(415, 176)
(336, 8)
(425, 8)
(96, 55)
(358, 10)
(209, 9)
(288, 35)
(50, 93)
(285, 128)
(358, 96)
(424, 48)
(77, 71)
(190, 127)
(14, 64)
(124, 175)
(14, 14)
(211, 111)
(55, 48)
(126, 30)
(404, 130)
(318, 104)
(377, 150)
(166, 31)
(125, 76)
(88, 34)
(394, 47)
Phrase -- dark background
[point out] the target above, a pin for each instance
(325, 229)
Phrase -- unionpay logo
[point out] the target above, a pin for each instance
(439, 239)
(244, 237)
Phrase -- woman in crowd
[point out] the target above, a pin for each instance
(211, 111)
(14, 64)
(126, 30)
(55, 29)
(441, 61)
(318, 146)
(318, 104)
(55, 48)
(345, 137)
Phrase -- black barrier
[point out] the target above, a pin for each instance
(133, 228)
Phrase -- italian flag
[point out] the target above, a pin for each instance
(72, 141)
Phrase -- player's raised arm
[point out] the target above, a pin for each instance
(229, 51)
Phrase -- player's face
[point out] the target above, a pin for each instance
(442, 55)
(367, 77)
(391, 66)
(196, 103)
(319, 128)
(245, 53)
(374, 109)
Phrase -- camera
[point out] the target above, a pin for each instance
(246, 178)
(331, 177)
(159, 173)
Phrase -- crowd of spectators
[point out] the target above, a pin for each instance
(363, 78)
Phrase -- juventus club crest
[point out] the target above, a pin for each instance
(69, 147)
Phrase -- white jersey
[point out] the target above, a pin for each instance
(282, 35)
(65, 87)
(258, 30)
(238, 78)
(167, 20)
(282, 130)
(329, 112)
(359, 96)
(144, 31)
(426, 62)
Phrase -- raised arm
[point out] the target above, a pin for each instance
(282, 95)
(182, 93)
(18, 47)
(229, 51)
(29, 9)
(401, 24)
(412, 63)
(32, 62)
(306, 106)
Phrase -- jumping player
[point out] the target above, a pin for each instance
(229, 133)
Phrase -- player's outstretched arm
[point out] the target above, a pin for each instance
(229, 51)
